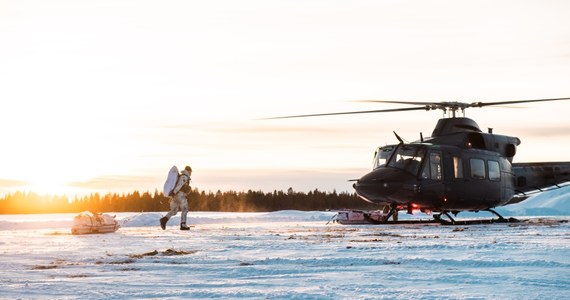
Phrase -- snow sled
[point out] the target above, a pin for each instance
(347, 217)
(361, 217)
(88, 222)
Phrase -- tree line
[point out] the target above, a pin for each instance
(228, 201)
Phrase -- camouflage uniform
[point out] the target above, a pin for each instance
(179, 200)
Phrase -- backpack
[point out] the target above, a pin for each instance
(170, 182)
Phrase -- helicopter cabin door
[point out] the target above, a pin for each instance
(476, 182)
(459, 182)
(432, 176)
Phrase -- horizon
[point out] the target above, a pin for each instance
(106, 96)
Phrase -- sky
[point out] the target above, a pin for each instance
(105, 96)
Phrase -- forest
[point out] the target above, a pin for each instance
(228, 201)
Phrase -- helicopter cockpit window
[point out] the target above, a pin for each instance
(408, 158)
(477, 168)
(432, 168)
(382, 155)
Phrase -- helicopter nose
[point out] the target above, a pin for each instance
(383, 185)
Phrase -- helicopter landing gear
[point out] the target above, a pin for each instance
(445, 222)
(452, 221)
(389, 215)
(390, 211)
(501, 219)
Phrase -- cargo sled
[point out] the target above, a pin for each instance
(88, 222)
(347, 217)
(356, 217)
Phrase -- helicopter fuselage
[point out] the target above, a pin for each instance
(433, 177)
(458, 168)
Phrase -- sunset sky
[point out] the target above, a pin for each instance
(105, 96)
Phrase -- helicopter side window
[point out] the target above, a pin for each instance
(435, 166)
(494, 170)
(432, 168)
(457, 167)
(477, 168)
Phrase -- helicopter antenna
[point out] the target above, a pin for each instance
(398, 137)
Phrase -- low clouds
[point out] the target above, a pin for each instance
(10, 183)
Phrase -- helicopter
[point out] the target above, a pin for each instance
(458, 168)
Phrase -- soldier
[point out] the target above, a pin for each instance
(179, 199)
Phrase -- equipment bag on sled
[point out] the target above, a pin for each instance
(88, 222)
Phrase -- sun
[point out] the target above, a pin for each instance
(52, 186)
(57, 181)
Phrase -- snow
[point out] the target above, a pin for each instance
(289, 254)
(555, 203)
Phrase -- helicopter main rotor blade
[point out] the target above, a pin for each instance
(481, 104)
(443, 105)
(446, 106)
(462, 104)
(348, 113)
(399, 102)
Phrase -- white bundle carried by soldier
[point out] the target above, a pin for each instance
(176, 188)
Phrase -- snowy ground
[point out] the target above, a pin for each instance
(286, 254)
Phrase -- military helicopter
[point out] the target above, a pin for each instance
(458, 168)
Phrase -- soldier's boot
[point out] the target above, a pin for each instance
(184, 227)
(163, 221)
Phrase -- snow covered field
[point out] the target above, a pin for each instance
(285, 254)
